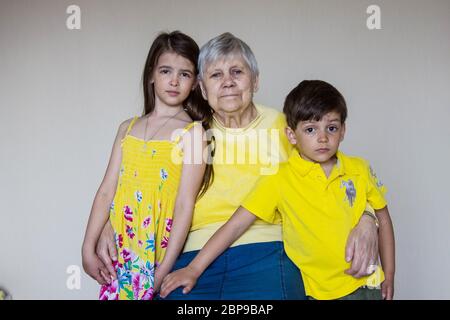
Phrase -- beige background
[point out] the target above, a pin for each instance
(64, 92)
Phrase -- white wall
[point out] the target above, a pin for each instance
(64, 92)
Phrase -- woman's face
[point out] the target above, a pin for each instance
(227, 85)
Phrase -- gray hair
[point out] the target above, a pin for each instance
(222, 46)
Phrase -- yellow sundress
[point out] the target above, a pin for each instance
(141, 213)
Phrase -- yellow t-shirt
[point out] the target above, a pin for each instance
(318, 214)
(241, 157)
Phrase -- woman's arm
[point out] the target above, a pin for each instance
(219, 242)
(362, 246)
(100, 212)
(190, 183)
(387, 252)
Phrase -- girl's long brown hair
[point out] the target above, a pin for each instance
(196, 107)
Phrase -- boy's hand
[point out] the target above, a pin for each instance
(387, 289)
(185, 277)
(95, 268)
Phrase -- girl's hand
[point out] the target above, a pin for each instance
(95, 268)
(106, 249)
(387, 289)
(160, 273)
(185, 277)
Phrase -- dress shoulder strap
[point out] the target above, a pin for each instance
(131, 125)
(186, 129)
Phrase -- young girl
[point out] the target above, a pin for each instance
(154, 175)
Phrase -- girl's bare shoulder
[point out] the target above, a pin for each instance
(125, 124)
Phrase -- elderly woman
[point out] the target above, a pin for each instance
(249, 142)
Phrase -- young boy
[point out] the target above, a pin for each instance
(321, 193)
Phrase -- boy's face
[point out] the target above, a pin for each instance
(318, 141)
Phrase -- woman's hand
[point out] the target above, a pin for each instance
(362, 248)
(186, 277)
(106, 250)
(94, 267)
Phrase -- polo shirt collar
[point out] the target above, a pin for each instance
(301, 165)
(340, 167)
(304, 167)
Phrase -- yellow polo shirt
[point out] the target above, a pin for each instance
(318, 214)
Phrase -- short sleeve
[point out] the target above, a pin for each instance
(263, 199)
(375, 189)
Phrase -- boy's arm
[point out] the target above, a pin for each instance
(190, 183)
(100, 212)
(387, 251)
(221, 240)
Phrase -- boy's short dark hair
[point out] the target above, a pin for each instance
(311, 100)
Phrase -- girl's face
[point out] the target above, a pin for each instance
(173, 79)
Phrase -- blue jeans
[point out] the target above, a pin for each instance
(256, 271)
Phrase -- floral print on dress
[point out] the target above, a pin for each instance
(146, 222)
(148, 294)
(169, 224)
(128, 214)
(164, 242)
(144, 198)
(134, 277)
(126, 255)
(130, 232)
(164, 174)
(138, 196)
(150, 243)
(119, 241)
(110, 292)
